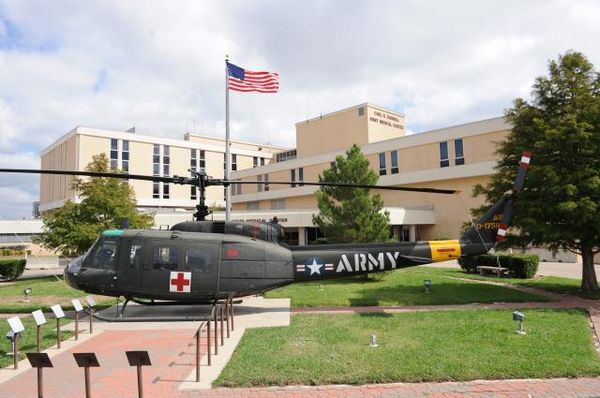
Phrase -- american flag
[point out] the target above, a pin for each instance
(244, 80)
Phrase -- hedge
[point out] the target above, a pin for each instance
(12, 269)
(519, 265)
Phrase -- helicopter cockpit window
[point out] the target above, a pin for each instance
(165, 258)
(103, 255)
(197, 260)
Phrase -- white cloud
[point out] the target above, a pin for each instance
(160, 65)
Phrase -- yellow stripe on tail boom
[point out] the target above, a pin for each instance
(442, 250)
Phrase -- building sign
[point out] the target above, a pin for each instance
(386, 119)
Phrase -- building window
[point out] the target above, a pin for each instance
(237, 188)
(259, 186)
(293, 177)
(166, 172)
(253, 205)
(382, 168)
(300, 176)
(361, 111)
(125, 156)
(278, 204)
(262, 161)
(255, 161)
(444, 162)
(458, 152)
(156, 171)
(233, 162)
(193, 167)
(114, 154)
(394, 161)
(202, 162)
(266, 179)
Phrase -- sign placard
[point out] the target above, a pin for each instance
(77, 304)
(58, 311)
(86, 359)
(15, 324)
(90, 300)
(39, 360)
(39, 317)
(138, 358)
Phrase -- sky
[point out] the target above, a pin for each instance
(159, 65)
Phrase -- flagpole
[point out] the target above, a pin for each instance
(227, 145)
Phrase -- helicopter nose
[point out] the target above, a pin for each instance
(72, 271)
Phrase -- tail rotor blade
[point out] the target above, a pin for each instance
(523, 165)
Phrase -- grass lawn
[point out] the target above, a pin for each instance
(402, 287)
(46, 292)
(555, 284)
(28, 339)
(322, 349)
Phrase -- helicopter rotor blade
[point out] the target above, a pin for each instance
(211, 182)
(332, 184)
(174, 179)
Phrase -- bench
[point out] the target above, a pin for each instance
(498, 271)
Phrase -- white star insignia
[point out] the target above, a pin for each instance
(314, 267)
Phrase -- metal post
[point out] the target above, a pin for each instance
(227, 315)
(86, 371)
(227, 149)
(208, 341)
(58, 333)
(16, 350)
(40, 381)
(216, 338)
(198, 353)
(232, 315)
(76, 325)
(221, 324)
(91, 322)
(140, 387)
(39, 338)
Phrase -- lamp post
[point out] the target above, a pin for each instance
(427, 285)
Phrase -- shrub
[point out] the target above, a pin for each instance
(519, 265)
(12, 269)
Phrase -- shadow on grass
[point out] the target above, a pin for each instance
(440, 293)
(375, 315)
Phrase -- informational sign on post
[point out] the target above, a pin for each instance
(77, 305)
(15, 324)
(58, 311)
(39, 317)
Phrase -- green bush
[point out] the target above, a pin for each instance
(12, 269)
(519, 265)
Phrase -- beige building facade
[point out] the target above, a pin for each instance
(456, 157)
(148, 155)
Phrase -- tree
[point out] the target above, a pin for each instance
(73, 228)
(351, 214)
(560, 206)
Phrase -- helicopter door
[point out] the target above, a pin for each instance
(202, 261)
(130, 266)
(161, 258)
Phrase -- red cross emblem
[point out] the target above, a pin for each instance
(180, 282)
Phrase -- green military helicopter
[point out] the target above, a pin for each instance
(203, 261)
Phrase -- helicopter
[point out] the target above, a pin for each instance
(204, 261)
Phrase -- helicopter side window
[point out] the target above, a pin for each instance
(103, 256)
(197, 260)
(165, 258)
(135, 256)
